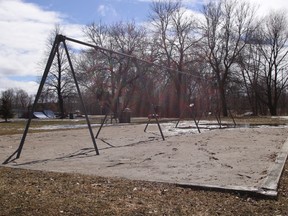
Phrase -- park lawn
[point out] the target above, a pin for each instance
(26, 192)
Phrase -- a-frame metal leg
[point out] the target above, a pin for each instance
(57, 41)
(218, 118)
(154, 115)
(158, 124)
(193, 116)
(180, 118)
(147, 125)
(159, 128)
(196, 123)
(102, 123)
(234, 122)
(45, 74)
(80, 96)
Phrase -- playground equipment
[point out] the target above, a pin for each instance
(192, 113)
(154, 115)
(197, 117)
(61, 39)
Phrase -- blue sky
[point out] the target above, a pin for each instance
(26, 24)
(86, 11)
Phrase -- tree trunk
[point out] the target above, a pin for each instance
(176, 110)
(223, 100)
(181, 95)
(272, 109)
(61, 106)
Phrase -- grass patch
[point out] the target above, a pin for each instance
(17, 126)
(26, 192)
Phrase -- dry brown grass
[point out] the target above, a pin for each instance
(17, 126)
(26, 192)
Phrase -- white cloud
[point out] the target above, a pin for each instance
(183, 1)
(16, 10)
(106, 10)
(25, 28)
(264, 6)
(102, 10)
(30, 87)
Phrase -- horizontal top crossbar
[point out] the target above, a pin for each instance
(126, 55)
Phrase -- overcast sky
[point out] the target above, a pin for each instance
(26, 24)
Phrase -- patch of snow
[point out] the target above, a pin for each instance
(56, 127)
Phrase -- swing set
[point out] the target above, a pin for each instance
(197, 117)
(61, 39)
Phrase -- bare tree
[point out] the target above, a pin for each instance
(250, 66)
(174, 30)
(112, 76)
(226, 30)
(21, 102)
(22, 99)
(273, 61)
(59, 81)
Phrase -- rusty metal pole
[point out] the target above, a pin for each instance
(79, 94)
(44, 77)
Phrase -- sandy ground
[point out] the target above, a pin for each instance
(224, 158)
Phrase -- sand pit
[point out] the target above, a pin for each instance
(249, 159)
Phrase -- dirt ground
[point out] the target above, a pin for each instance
(234, 158)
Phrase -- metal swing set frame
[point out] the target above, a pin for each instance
(61, 39)
(197, 118)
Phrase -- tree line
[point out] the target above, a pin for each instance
(223, 59)
(14, 102)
